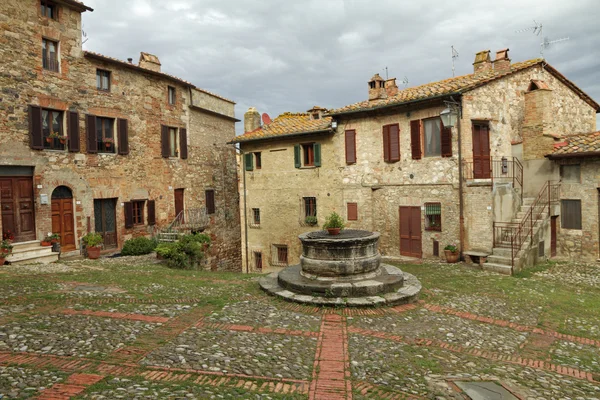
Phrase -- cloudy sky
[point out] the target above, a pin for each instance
(290, 55)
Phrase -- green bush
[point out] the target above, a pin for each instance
(333, 220)
(138, 246)
(185, 253)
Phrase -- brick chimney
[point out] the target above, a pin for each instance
(390, 87)
(502, 62)
(482, 61)
(538, 138)
(316, 112)
(251, 120)
(377, 88)
(149, 61)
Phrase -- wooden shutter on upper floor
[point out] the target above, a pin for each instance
(248, 161)
(386, 143)
(350, 146)
(73, 131)
(164, 141)
(394, 142)
(415, 139)
(446, 142)
(297, 162)
(352, 211)
(183, 147)
(90, 126)
(317, 149)
(36, 138)
(151, 212)
(210, 201)
(128, 208)
(123, 134)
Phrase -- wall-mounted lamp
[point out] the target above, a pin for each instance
(449, 117)
(334, 124)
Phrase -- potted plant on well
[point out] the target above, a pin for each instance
(451, 252)
(5, 250)
(334, 223)
(311, 220)
(93, 242)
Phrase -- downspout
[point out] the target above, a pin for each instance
(245, 210)
(460, 184)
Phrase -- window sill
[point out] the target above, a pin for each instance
(254, 226)
(308, 167)
(106, 154)
(56, 150)
(432, 230)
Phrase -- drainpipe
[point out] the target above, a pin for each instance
(245, 210)
(460, 183)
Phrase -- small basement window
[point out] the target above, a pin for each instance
(280, 254)
(570, 173)
(433, 216)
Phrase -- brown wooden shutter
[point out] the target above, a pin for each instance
(386, 143)
(128, 214)
(351, 146)
(183, 152)
(92, 144)
(352, 211)
(210, 201)
(151, 212)
(446, 142)
(73, 132)
(415, 139)
(164, 141)
(36, 138)
(123, 134)
(394, 142)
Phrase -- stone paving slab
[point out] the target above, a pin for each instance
(25, 383)
(162, 310)
(576, 355)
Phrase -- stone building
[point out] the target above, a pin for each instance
(388, 164)
(92, 143)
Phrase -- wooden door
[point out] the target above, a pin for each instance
(17, 203)
(481, 151)
(410, 231)
(553, 222)
(106, 221)
(62, 222)
(178, 202)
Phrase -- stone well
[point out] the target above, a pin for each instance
(343, 270)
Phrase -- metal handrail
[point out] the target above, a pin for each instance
(194, 219)
(501, 168)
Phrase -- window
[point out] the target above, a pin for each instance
(307, 155)
(308, 151)
(172, 95)
(352, 211)
(210, 201)
(50, 55)
(258, 261)
(350, 146)
(103, 80)
(52, 130)
(49, 9)
(432, 137)
(105, 135)
(310, 206)
(256, 216)
(391, 143)
(280, 254)
(173, 142)
(433, 216)
(138, 212)
(570, 214)
(258, 159)
(570, 173)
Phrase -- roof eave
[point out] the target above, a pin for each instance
(76, 5)
(211, 112)
(583, 154)
(328, 130)
(388, 106)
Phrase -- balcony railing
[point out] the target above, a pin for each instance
(501, 169)
(189, 221)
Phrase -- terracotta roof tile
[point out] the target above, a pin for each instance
(577, 144)
(287, 124)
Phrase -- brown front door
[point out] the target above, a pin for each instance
(481, 151)
(410, 231)
(553, 222)
(62, 222)
(178, 201)
(106, 220)
(16, 201)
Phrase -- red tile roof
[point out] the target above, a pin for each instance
(287, 124)
(456, 85)
(581, 145)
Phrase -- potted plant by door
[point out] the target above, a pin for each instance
(46, 242)
(8, 236)
(333, 223)
(93, 242)
(451, 252)
(5, 250)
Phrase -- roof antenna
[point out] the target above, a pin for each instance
(546, 43)
(454, 57)
(405, 82)
(537, 28)
(386, 73)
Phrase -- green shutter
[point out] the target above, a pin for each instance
(297, 163)
(317, 148)
(248, 162)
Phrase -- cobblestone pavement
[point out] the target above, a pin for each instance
(129, 328)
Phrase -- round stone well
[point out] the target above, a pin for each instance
(344, 270)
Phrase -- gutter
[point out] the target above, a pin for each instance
(574, 155)
(328, 130)
(386, 106)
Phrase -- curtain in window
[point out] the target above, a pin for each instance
(433, 141)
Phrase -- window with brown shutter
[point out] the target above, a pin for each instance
(258, 264)
(164, 141)
(52, 129)
(415, 139)
(391, 143)
(432, 137)
(151, 212)
(105, 136)
(258, 158)
(128, 209)
(350, 146)
(447, 142)
(36, 140)
(183, 147)
(210, 201)
(570, 214)
(73, 131)
(90, 126)
(352, 211)
(123, 135)
(386, 143)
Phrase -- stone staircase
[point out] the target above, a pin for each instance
(31, 253)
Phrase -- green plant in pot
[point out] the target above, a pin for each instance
(334, 223)
(311, 220)
(54, 238)
(451, 252)
(93, 242)
(5, 250)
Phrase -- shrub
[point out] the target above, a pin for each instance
(185, 253)
(334, 220)
(92, 239)
(138, 246)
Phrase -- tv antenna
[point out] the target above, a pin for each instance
(405, 82)
(547, 43)
(386, 73)
(536, 28)
(84, 35)
(454, 57)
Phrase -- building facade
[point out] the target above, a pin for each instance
(389, 164)
(91, 143)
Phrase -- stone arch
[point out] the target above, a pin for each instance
(62, 192)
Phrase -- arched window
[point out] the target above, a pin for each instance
(62, 192)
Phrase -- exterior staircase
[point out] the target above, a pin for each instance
(188, 221)
(31, 253)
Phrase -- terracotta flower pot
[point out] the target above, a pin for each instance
(333, 231)
(49, 139)
(46, 244)
(451, 256)
(1, 260)
(93, 252)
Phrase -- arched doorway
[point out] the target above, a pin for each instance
(62, 217)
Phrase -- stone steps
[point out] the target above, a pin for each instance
(31, 253)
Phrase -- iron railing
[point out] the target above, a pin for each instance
(514, 235)
(189, 221)
(503, 169)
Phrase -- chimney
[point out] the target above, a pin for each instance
(149, 61)
(316, 112)
(130, 60)
(538, 138)
(482, 61)
(502, 62)
(251, 120)
(377, 88)
(390, 87)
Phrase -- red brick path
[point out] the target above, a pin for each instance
(74, 385)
